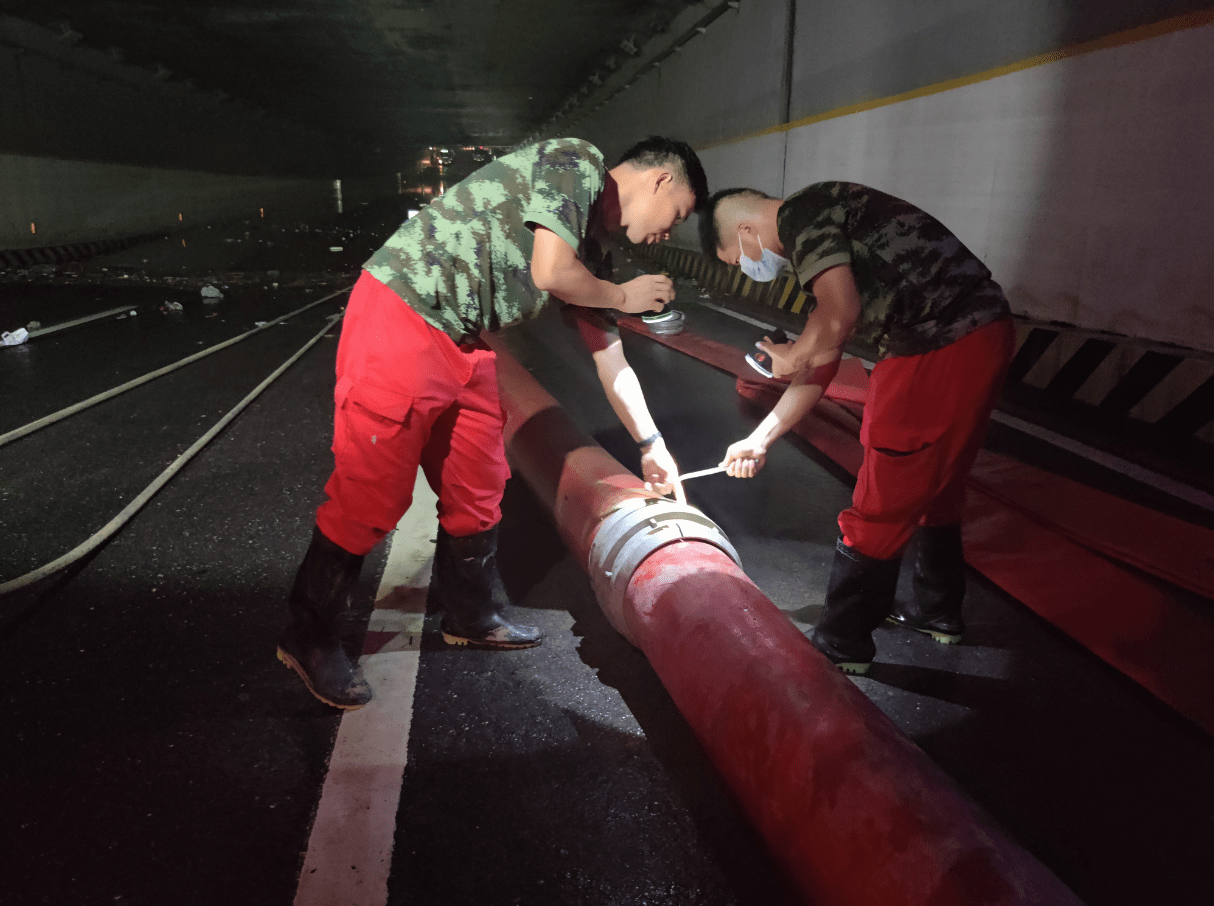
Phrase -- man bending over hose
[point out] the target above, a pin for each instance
(882, 271)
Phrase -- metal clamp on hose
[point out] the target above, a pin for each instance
(634, 530)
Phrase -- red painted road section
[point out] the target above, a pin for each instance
(854, 810)
(1055, 545)
(1174, 550)
(1035, 535)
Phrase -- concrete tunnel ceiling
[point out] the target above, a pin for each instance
(388, 74)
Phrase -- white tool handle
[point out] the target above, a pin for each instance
(702, 473)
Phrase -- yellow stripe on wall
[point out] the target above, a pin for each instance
(789, 285)
(1118, 39)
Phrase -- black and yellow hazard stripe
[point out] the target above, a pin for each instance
(722, 279)
(1170, 387)
(58, 254)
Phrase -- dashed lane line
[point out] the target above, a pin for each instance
(349, 853)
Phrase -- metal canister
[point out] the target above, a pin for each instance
(667, 323)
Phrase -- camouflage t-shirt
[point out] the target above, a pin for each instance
(464, 262)
(920, 288)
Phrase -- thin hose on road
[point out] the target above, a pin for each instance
(55, 328)
(112, 527)
(33, 426)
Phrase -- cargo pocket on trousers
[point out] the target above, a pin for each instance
(890, 451)
(903, 471)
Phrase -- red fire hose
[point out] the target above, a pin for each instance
(854, 810)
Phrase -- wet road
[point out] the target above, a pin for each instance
(154, 750)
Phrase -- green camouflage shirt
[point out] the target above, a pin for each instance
(920, 288)
(464, 262)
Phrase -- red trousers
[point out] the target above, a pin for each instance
(924, 422)
(408, 396)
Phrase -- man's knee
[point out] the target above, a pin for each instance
(347, 533)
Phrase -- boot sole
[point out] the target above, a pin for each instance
(286, 658)
(944, 638)
(490, 646)
(853, 668)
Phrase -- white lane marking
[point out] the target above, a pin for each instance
(1129, 469)
(1124, 467)
(741, 317)
(350, 849)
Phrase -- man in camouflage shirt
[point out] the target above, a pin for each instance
(417, 387)
(890, 277)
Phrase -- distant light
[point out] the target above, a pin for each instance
(263, 211)
(33, 228)
(179, 217)
(411, 213)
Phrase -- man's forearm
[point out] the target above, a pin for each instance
(577, 286)
(623, 390)
(800, 397)
(619, 381)
(628, 401)
(797, 400)
(820, 342)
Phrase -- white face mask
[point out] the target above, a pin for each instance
(765, 269)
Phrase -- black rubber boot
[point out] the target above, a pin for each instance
(859, 596)
(310, 642)
(462, 587)
(939, 586)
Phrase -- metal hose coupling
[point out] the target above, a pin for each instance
(634, 529)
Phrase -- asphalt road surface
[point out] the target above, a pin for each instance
(154, 751)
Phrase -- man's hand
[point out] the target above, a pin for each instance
(660, 472)
(649, 292)
(744, 458)
(784, 360)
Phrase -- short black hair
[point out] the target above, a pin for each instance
(657, 151)
(710, 236)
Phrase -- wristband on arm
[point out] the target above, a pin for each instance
(655, 436)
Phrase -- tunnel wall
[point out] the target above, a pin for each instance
(1067, 143)
(50, 202)
(92, 148)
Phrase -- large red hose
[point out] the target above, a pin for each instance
(854, 810)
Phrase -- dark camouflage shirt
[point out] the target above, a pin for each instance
(920, 288)
(464, 262)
